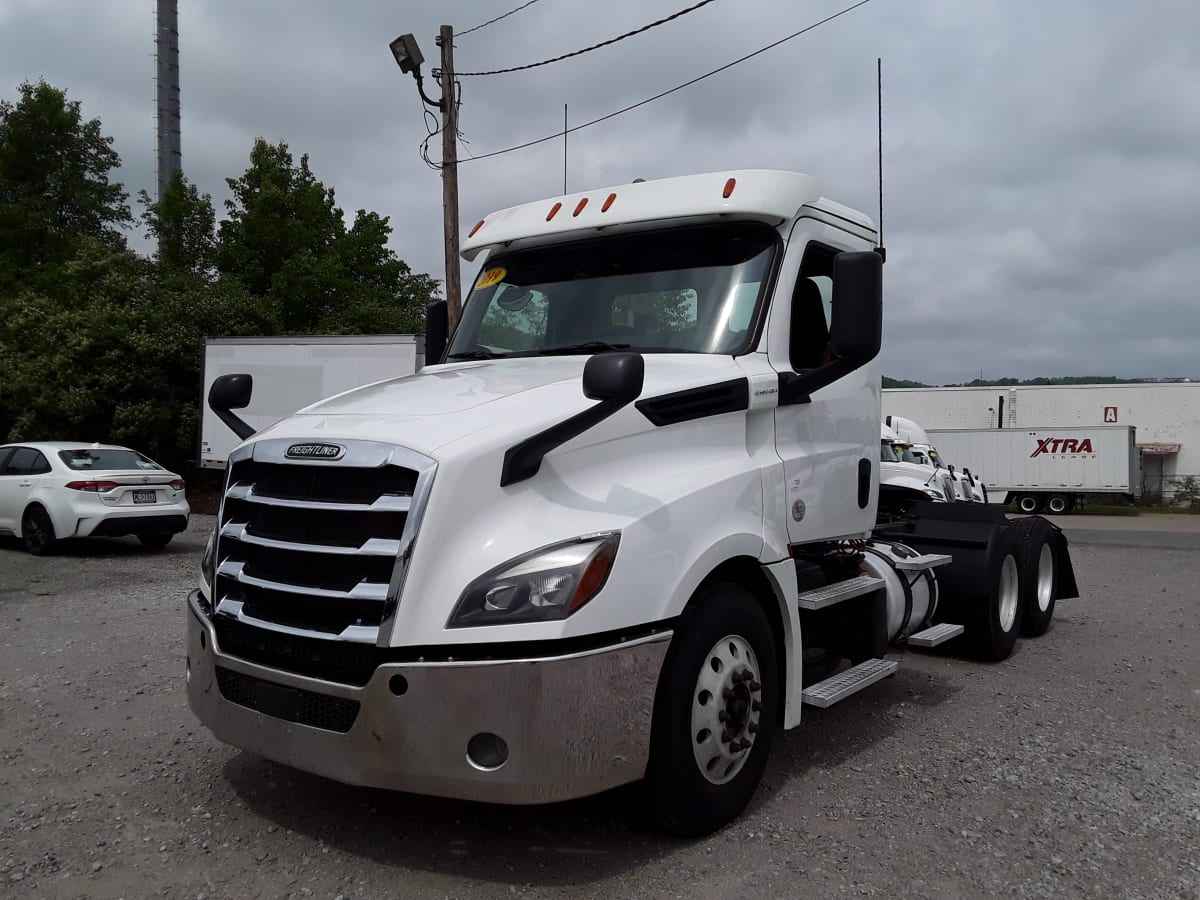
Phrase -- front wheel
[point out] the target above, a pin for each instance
(997, 619)
(37, 531)
(715, 712)
(155, 540)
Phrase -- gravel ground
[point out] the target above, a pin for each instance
(1072, 769)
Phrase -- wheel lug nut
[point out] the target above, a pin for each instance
(753, 728)
(728, 694)
(722, 716)
(755, 686)
(756, 706)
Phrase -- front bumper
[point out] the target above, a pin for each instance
(574, 725)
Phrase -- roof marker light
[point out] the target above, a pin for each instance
(579, 207)
(608, 202)
(478, 225)
(729, 186)
(553, 211)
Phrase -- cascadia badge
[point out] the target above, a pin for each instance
(315, 451)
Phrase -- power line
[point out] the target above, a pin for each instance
(678, 87)
(621, 37)
(497, 19)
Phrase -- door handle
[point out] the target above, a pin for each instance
(24, 484)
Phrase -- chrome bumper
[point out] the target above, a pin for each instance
(573, 725)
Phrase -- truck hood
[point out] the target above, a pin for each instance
(442, 404)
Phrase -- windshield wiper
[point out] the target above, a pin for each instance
(585, 347)
(477, 353)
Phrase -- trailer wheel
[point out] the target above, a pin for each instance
(715, 712)
(1029, 503)
(1059, 504)
(1034, 539)
(997, 620)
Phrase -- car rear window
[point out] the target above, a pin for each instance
(89, 458)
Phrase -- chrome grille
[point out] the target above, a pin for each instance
(318, 548)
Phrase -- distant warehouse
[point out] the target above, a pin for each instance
(1166, 416)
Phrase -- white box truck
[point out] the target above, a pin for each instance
(292, 372)
(622, 529)
(1047, 468)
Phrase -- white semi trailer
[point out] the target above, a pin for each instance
(622, 529)
(1049, 468)
(292, 372)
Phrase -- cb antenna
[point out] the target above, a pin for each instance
(879, 108)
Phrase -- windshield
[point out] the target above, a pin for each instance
(886, 453)
(106, 459)
(905, 453)
(688, 290)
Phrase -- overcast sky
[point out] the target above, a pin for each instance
(1042, 157)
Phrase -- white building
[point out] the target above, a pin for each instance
(1167, 416)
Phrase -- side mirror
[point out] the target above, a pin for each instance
(229, 392)
(614, 376)
(437, 332)
(857, 328)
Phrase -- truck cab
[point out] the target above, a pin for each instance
(613, 531)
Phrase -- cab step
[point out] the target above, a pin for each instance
(938, 634)
(843, 684)
(922, 562)
(829, 594)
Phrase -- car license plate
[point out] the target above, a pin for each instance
(145, 496)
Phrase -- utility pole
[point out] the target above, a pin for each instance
(450, 174)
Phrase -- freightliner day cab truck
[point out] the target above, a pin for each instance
(624, 531)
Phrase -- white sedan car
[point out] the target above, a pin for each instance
(55, 490)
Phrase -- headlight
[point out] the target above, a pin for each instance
(550, 583)
(935, 494)
(208, 564)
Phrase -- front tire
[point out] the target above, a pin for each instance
(37, 531)
(715, 712)
(155, 540)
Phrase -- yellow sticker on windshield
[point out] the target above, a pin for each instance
(489, 277)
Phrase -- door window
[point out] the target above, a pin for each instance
(24, 461)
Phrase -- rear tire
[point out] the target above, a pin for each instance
(37, 531)
(155, 540)
(1058, 504)
(997, 620)
(715, 713)
(1029, 503)
(1038, 562)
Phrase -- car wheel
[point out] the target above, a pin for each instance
(1039, 574)
(154, 539)
(37, 531)
(715, 712)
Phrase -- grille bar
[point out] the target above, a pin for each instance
(386, 503)
(287, 703)
(364, 590)
(240, 531)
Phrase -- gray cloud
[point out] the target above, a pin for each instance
(1041, 188)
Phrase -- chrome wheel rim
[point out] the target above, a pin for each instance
(726, 707)
(1057, 505)
(1045, 577)
(1008, 593)
(1027, 504)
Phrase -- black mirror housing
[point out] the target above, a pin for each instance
(231, 392)
(437, 332)
(857, 328)
(614, 376)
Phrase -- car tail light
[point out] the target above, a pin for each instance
(178, 484)
(92, 487)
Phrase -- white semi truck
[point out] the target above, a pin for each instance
(624, 531)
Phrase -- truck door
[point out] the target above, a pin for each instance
(830, 444)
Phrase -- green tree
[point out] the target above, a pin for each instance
(182, 224)
(55, 187)
(286, 240)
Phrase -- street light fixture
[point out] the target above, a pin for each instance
(409, 58)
